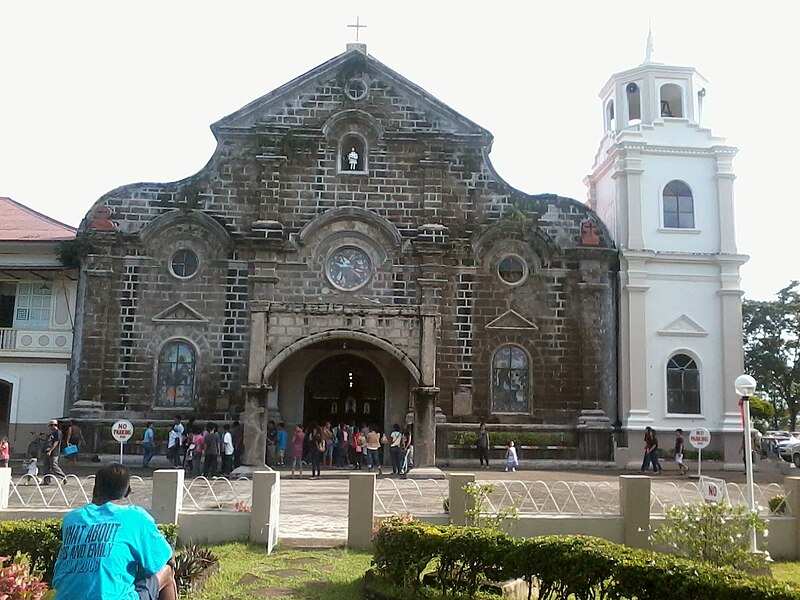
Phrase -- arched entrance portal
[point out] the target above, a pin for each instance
(307, 382)
(344, 388)
(5, 406)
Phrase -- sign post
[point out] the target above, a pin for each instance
(713, 490)
(699, 438)
(122, 431)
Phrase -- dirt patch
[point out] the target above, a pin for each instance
(307, 560)
(272, 592)
(249, 579)
(286, 572)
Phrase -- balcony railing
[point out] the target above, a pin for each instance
(46, 341)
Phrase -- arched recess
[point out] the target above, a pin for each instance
(343, 334)
(6, 390)
(369, 218)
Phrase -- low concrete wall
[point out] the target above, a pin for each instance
(632, 526)
(202, 526)
(38, 514)
(610, 528)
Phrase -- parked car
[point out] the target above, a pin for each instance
(789, 450)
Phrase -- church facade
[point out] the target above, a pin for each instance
(349, 254)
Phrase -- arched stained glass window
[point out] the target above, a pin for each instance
(176, 369)
(510, 380)
(683, 385)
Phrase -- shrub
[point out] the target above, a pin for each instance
(477, 514)
(17, 582)
(41, 541)
(193, 565)
(714, 533)
(574, 567)
(777, 505)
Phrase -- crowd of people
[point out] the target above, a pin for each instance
(199, 449)
(339, 446)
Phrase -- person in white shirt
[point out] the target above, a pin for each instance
(227, 450)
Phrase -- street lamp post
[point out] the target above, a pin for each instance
(745, 386)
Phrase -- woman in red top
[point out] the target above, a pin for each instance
(297, 449)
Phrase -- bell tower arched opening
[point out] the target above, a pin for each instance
(344, 388)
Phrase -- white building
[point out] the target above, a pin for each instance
(37, 315)
(664, 186)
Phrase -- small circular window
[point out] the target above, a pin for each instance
(512, 269)
(356, 89)
(184, 263)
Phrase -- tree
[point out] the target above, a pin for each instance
(772, 348)
(763, 413)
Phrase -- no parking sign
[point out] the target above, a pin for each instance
(122, 431)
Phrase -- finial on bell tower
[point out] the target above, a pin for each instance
(648, 57)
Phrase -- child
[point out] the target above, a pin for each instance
(511, 457)
(4, 451)
(679, 452)
(31, 470)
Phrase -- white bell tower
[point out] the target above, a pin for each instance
(664, 186)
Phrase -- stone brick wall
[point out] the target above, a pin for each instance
(259, 218)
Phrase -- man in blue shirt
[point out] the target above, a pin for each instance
(280, 444)
(110, 550)
(148, 446)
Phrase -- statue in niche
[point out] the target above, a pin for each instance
(352, 159)
(350, 404)
(334, 408)
(366, 410)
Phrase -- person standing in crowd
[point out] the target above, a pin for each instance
(374, 450)
(174, 447)
(227, 450)
(340, 445)
(272, 440)
(51, 453)
(317, 452)
(75, 438)
(238, 444)
(5, 453)
(395, 450)
(408, 449)
(298, 440)
(281, 439)
(148, 445)
(211, 447)
(327, 435)
(483, 446)
(197, 451)
(679, 452)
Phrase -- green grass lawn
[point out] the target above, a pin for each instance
(787, 571)
(246, 570)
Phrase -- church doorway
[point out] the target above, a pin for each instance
(5, 407)
(344, 388)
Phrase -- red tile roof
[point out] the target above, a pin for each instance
(19, 223)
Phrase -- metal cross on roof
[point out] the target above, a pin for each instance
(357, 26)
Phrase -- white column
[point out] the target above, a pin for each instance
(265, 511)
(5, 487)
(167, 495)
(361, 510)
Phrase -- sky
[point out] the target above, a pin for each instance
(95, 95)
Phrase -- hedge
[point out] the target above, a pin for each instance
(520, 438)
(579, 567)
(41, 540)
